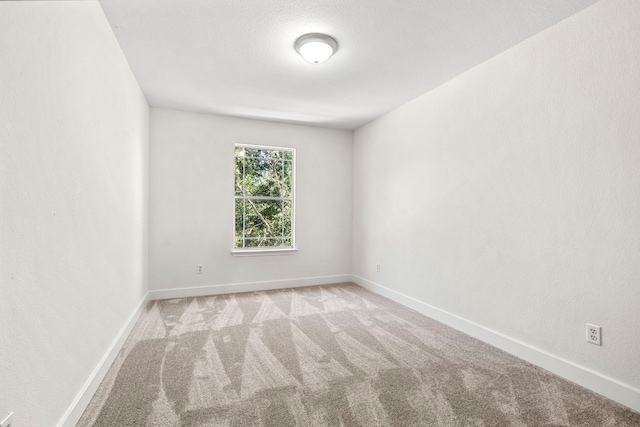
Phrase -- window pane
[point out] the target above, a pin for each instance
(263, 218)
(263, 177)
(287, 173)
(251, 242)
(264, 154)
(239, 222)
(252, 152)
(287, 155)
(287, 222)
(239, 181)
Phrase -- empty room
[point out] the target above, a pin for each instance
(319, 213)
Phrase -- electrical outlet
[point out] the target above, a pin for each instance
(7, 421)
(378, 268)
(594, 334)
(198, 271)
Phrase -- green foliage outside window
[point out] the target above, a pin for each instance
(263, 197)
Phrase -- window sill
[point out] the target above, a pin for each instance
(263, 252)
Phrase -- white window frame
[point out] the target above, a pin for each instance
(268, 250)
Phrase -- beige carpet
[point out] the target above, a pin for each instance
(326, 356)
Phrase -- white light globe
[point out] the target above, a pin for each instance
(316, 52)
(316, 48)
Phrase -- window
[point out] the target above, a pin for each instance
(264, 198)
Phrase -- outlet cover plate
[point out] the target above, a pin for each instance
(594, 334)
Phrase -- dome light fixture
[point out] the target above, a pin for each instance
(316, 48)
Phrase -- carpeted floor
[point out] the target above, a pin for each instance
(326, 356)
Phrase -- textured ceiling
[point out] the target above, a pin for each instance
(236, 57)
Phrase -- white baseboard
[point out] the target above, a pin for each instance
(601, 384)
(608, 387)
(79, 404)
(198, 291)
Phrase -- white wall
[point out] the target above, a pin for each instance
(73, 167)
(191, 201)
(510, 196)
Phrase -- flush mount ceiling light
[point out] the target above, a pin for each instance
(316, 48)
